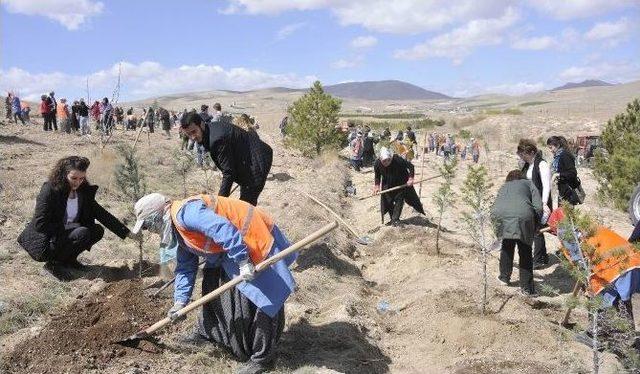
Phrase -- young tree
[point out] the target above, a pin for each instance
(312, 120)
(183, 164)
(131, 182)
(618, 169)
(574, 231)
(444, 196)
(475, 194)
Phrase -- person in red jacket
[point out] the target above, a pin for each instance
(44, 111)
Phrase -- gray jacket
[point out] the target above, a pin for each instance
(517, 210)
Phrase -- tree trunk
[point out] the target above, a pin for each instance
(140, 258)
(438, 232)
(594, 341)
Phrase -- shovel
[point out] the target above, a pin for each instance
(133, 340)
(363, 240)
(400, 187)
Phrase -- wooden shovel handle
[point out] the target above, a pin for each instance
(399, 187)
(233, 282)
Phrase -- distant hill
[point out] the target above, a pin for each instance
(383, 90)
(585, 83)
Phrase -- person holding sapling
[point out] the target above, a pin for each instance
(232, 236)
(515, 214)
(63, 225)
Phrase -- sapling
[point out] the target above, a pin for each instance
(183, 164)
(574, 230)
(132, 184)
(475, 194)
(444, 196)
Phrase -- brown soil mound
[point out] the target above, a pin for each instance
(82, 336)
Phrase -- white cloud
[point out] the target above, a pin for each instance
(460, 42)
(534, 43)
(611, 32)
(288, 30)
(399, 16)
(519, 88)
(69, 13)
(622, 71)
(364, 41)
(348, 63)
(146, 79)
(572, 9)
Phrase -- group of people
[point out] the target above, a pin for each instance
(17, 110)
(445, 145)
(524, 203)
(232, 235)
(365, 145)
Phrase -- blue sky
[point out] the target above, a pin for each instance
(458, 47)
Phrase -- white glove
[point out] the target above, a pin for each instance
(247, 270)
(172, 313)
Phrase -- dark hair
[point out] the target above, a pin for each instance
(204, 107)
(527, 146)
(217, 107)
(514, 175)
(58, 176)
(191, 118)
(557, 141)
(105, 100)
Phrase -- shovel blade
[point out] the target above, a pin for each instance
(132, 341)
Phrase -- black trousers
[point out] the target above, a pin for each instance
(539, 249)
(54, 121)
(393, 202)
(525, 263)
(74, 241)
(17, 117)
(250, 194)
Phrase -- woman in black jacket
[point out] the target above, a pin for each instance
(564, 166)
(63, 225)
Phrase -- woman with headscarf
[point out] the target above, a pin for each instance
(232, 236)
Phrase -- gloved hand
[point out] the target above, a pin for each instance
(410, 182)
(174, 309)
(247, 270)
(376, 188)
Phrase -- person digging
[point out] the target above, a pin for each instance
(232, 236)
(392, 171)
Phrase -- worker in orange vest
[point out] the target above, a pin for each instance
(232, 236)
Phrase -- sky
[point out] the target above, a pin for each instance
(456, 47)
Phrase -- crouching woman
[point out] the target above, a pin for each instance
(232, 236)
(515, 215)
(63, 225)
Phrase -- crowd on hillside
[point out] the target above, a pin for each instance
(233, 235)
(365, 145)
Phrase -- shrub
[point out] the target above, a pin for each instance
(618, 169)
(312, 121)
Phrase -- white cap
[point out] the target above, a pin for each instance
(147, 206)
(385, 154)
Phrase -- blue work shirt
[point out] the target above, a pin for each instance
(268, 290)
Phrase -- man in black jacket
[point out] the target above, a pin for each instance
(240, 155)
(392, 171)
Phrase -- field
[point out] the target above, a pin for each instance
(335, 322)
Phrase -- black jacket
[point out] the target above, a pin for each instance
(51, 206)
(396, 174)
(83, 110)
(240, 155)
(567, 178)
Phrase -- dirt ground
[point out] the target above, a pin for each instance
(334, 321)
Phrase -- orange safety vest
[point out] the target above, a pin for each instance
(615, 255)
(253, 223)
